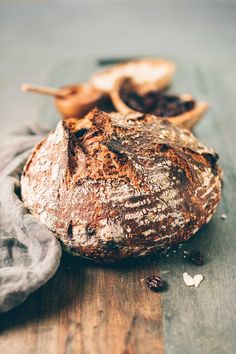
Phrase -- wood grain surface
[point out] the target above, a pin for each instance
(87, 308)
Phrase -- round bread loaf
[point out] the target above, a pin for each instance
(113, 186)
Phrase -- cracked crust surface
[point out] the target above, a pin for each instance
(113, 186)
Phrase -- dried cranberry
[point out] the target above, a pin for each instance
(156, 102)
(189, 105)
(196, 257)
(155, 283)
(150, 101)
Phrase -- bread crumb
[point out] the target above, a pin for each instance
(197, 280)
(192, 281)
(189, 281)
(223, 216)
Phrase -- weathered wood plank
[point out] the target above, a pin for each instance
(202, 320)
(87, 308)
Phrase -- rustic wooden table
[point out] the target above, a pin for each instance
(86, 308)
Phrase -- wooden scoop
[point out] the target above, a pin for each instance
(71, 100)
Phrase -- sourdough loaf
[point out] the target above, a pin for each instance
(112, 186)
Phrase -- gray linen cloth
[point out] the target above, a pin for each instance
(29, 253)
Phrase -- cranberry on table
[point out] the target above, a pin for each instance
(156, 102)
(156, 283)
(196, 257)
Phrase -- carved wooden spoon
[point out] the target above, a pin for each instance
(71, 100)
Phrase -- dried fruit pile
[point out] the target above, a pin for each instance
(108, 90)
(159, 103)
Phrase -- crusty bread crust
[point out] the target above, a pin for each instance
(113, 186)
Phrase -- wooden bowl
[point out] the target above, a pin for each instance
(79, 100)
(185, 120)
(146, 74)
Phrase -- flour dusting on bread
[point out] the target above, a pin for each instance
(111, 186)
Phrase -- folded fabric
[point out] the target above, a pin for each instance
(29, 253)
